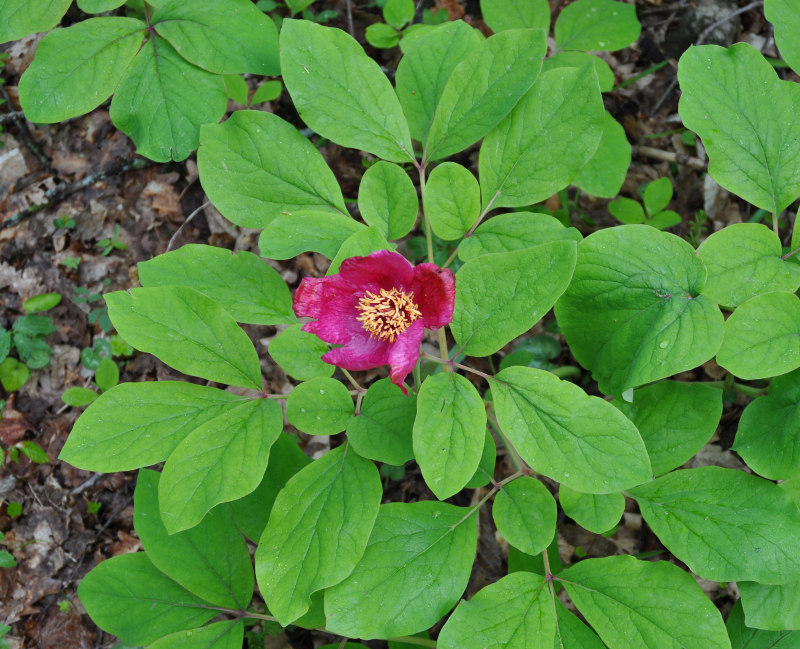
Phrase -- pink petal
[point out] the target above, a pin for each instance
(362, 352)
(308, 298)
(381, 269)
(434, 293)
(404, 354)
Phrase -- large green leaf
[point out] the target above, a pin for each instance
(306, 230)
(502, 15)
(382, 430)
(597, 513)
(725, 525)
(500, 296)
(515, 612)
(139, 424)
(228, 634)
(449, 432)
(452, 200)
(299, 353)
(327, 510)
(514, 231)
(560, 431)
(77, 68)
(99, 6)
(762, 337)
(423, 72)
(483, 88)
(596, 25)
(210, 560)
(252, 512)
(571, 633)
(222, 460)
(768, 438)
(633, 313)
(774, 608)
(360, 109)
(744, 260)
(255, 166)
(221, 36)
(150, 103)
(676, 420)
(785, 20)
(188, 331)
(130, 598)
(562, 114)
(744, 637)
(525, 514)
(18, 18)
(605, 172)
(320, 406)
(636, 604)
(244, 285)
(387, 200)
(416, 566)
(748, 119)
(577, 59)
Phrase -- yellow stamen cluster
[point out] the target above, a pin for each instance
(387, 315)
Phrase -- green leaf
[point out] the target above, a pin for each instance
(515, 612)
(774, 608)
(786, 23)
(77, 68)
(228, 37)
(228, 634)
(525, 514)
(743, 637)
(251, 180)
(597, 513)
(18, 18)
(449, 432)
(99, 6)
(222, 460)
(79, 397)
(5, 343)
(605, 172)
(382, 431)
(13, 374)
(664, 220)
(762, 337)
(327, 510)
(33, 452)
(571, 633)
(560, 431)
(43, 302)
(596, 25)
(636, 604)
(211, 560)
(382, 36)
(252, 511)
(627, 210)
(398, 12)
(482, 90)
(150, 102)
(502, 15)
(502, 295)
(562, 114)
(364, 242)
(267, 91)
(452, 201)
(657, 195)
(732, 98)
(130, 598)
(676, 420)
(292, 233)
(725, 525)
(140, 424)
(7, 560)
(633, 312)
(33, 325)
(576, 59)
(486, 466)
(744, 260)
(107, 375)
(767, 438)
(298, 353)
(188, 331)
(360, 110)
(514, 231)
(416, 566)
(320, 406)
(423, 72)
(387, 200)
(296, 6)
(244, 285)
(32, 350)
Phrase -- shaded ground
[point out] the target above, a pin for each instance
(86, 170)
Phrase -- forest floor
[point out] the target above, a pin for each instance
(90, 185)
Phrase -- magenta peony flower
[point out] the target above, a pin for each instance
(377, 309)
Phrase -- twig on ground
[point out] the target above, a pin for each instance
(670, 156)
(184, 224)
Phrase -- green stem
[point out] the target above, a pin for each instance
(516, 460)
(775, 226)
(566, 372)
(737, 387)
(412, 639)
(450, 259)
(353, 382)
(644, 73)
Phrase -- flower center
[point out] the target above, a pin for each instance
(387, 315)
